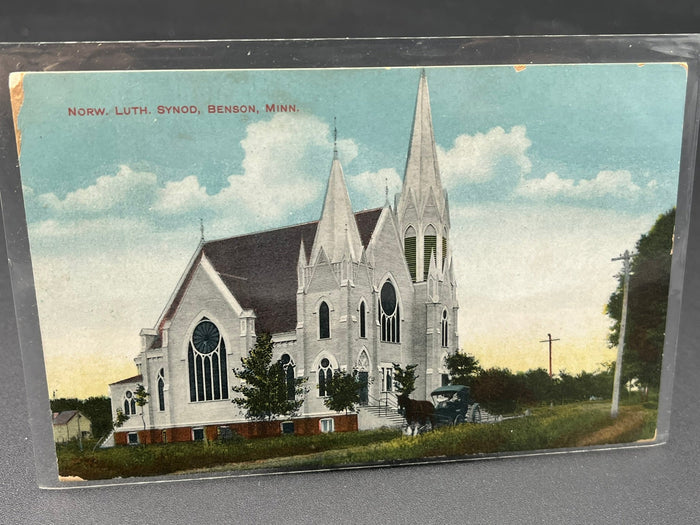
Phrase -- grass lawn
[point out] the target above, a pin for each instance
(579, 424)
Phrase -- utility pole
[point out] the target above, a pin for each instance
(549, 340)
(621, 342)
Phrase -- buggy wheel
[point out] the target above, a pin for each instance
(476, 414)
(458, 420)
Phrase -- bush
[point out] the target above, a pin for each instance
(501, 392)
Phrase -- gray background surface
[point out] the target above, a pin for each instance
(652, 485)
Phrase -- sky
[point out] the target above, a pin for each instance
(551, 171)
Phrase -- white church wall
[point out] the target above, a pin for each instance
(201, 299)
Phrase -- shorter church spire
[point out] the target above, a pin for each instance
(337, 232)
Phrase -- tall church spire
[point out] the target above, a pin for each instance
(422, 177)
(337, 231)
(421, 210)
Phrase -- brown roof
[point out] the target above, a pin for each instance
(260, 269)
(64, 417)
(134, 379)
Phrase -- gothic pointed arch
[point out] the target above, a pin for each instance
(289, 375)
(324, 365)
(161, 389)
(429, 247)
(129, 403)
(206, 361)
(444, 328)
(362, 318)
(409, 250)
(389, 311)
(361, 371)
(362, 363)
(323, 311)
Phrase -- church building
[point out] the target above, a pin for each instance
(355, 291)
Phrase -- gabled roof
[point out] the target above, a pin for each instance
(64, 417)
(133, 379)
(260, 270)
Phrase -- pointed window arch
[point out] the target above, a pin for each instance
(161, 390)
(289, 375)
(361, 373)
(444, 329)
(429, 246)
(389, 315)
(129, 403)
(324, 321)
(363, 319)
(409, 250)
(206, 361)
(325, 374)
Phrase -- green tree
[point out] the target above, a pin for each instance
(98, 409)
(542, 386)
(405, 378)
(500, 391)
(342, 391)
(647, 302)
(121, 418)
(463, 368)
(141, 396)
(265, 391)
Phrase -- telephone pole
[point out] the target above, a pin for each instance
(621, 341)
(549, 340)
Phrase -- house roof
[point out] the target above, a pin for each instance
(133, 379)
(64, 417)
(260, 270)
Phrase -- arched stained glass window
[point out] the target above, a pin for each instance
(389, 318)
(129, 403)
(289, 376)
(325, 374)
(206, 360)
(444, 329)
(324, 322)
(363, 319)
(161, 390)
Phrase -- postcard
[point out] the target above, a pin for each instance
(279, 269)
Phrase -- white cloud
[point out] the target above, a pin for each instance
(108, 192)
(285, 157)
(372, 185)
(479, 158)
(180, 196)
(279, 156)
(618, 184)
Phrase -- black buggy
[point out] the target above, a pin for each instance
(454, 405)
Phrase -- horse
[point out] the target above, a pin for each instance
(417, 413)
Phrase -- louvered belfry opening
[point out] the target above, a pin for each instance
(409, 249)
